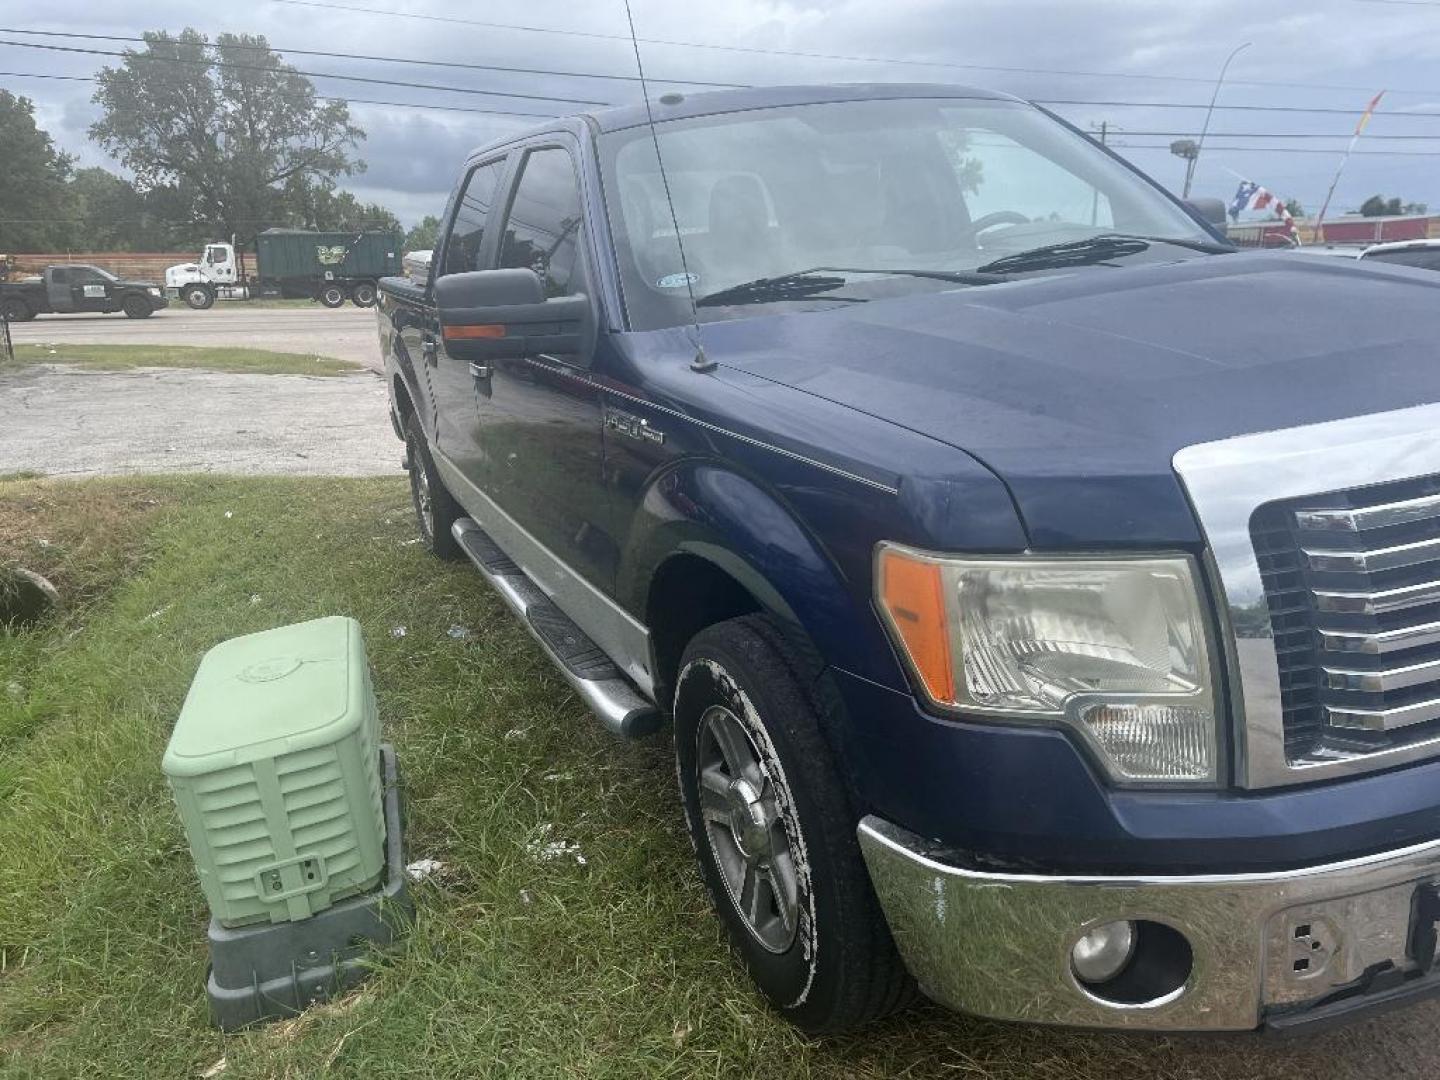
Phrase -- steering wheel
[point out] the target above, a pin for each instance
(999, 217)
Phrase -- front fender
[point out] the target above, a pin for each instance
(757, 536)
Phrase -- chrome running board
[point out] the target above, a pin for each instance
(599, 681)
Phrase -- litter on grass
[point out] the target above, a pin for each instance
(421, 869)
(542, 850)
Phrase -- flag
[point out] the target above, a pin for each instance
(1243, 194)
(1359, 128)
(1251, 196)
(1369, 112)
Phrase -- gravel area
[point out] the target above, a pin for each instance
(65, 421)
(346, 333)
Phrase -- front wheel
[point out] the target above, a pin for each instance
(332, 296)
(198, 297)
(435, 509)
(774, 831)
(363, 295)
(137, 307)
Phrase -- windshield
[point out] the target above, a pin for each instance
(889, 190)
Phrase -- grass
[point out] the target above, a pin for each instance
(516, 967)
(238, 360)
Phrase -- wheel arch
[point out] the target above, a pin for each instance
(711, 544)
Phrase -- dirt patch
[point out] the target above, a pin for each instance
(67, 421)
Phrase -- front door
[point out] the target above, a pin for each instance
(91, 290)
(469, 245)
(540, 440)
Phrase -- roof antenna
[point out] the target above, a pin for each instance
(701, 362)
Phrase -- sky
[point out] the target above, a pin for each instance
(1122, 59)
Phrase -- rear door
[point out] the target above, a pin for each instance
(469, 245)
(57, 289)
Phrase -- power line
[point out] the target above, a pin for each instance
(1284, 150)
(383, 59)
(322, 97)
(1206, 80)
(1352, 113)
(297, 71)
(1274, 135)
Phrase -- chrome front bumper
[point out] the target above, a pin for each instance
(1264, 946)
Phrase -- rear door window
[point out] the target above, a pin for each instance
(464, 246)
(542, 231)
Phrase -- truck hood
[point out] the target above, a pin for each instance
(1077, 390)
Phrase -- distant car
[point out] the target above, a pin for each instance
(1422, 253)
(72, 288)
(1335, 251)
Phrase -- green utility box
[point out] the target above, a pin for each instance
(275, 765)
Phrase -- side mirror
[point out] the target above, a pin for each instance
(1210, 211)
(504, 315)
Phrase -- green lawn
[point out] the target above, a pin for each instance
(243, 361)
(517, 967)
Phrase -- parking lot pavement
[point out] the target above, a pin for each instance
(346, 333)
(67, 421)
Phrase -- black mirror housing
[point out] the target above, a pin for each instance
(1210, 211)
(505, 315)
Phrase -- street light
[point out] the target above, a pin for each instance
(1190, 169)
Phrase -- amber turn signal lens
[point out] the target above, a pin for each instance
(913, 594)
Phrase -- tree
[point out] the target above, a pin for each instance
(315, 207)
(1294, 207)
(36, 207)
(425, 236)
(1379, 206)
(114, 215)
(236, 136)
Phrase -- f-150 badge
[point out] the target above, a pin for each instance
(632, 426)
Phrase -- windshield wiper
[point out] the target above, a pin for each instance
(1091, 250)
(802, 284)
(799, 285)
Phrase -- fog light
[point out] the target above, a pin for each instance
(1103, 952)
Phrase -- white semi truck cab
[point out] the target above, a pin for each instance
(216, 273)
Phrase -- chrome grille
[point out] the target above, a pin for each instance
(1352, 582)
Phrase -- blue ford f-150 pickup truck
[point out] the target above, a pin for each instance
(1045, 596)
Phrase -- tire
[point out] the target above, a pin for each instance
(756, 776)
(16, 310)
(435, 509)
(332, 296)
(363, 294)
(137, 307)
(198, 297)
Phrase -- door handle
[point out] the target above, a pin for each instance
(429, 350)
(480, 371)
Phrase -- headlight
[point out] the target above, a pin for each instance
(1114, 647)
(154, 291)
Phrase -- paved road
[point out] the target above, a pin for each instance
(67, 421)
(346, 333)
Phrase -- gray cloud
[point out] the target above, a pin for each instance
(413, 154)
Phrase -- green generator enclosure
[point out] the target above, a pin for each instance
(294, 254)
(275, 766)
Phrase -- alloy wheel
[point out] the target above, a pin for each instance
(746, 829)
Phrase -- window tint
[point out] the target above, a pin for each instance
(462, 250)
(543, 229)
(60, 276)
